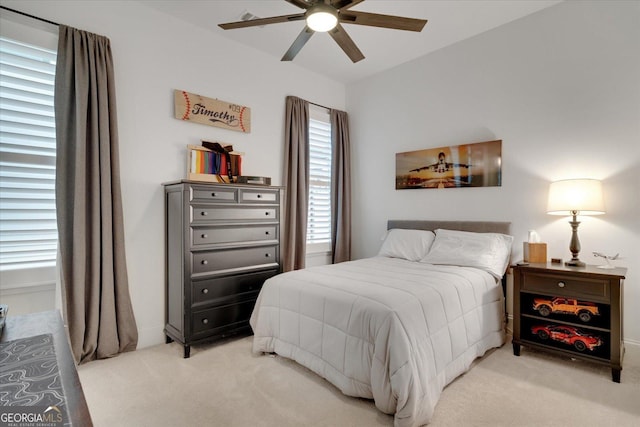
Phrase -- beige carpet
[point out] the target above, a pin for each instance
(226, 385)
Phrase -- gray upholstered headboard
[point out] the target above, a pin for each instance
(477, 226)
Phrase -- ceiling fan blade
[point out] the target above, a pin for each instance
(262, 21)
(298, 44)
(344, 41)
(300, 3)
(345, 4)
(382, 21)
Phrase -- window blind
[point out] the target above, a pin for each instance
(28, 232)
(319, 214)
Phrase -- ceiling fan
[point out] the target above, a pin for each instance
(326, 16)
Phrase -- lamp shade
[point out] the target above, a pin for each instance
(322, 18)
(576, 195)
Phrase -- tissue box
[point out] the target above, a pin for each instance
(534, 252)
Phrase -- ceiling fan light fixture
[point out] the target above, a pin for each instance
(328, 16)
(322, 18)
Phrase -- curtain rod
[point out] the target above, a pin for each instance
(318, 105)
(30, 16)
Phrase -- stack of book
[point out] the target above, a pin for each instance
(206, 164)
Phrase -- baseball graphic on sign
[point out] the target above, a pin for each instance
(212, 112)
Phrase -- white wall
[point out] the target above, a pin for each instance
(153, 55)
(561, 88)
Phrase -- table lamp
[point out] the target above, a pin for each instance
(575, 197)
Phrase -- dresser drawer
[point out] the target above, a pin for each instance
(551, 284)
(218, 319)
(218, 261)
(204, 193)
(226, 235)
(266, 196)
(203, 214)
(229, 287)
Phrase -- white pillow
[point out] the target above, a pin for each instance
(487, 251)
(411, 245)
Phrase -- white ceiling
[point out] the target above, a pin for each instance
(448, 22)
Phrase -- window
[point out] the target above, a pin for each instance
(319, 213)
(28, 234)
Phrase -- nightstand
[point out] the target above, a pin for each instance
(575, 311)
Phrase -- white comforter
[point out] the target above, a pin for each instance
(389, 329)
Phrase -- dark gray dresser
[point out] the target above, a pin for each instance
(222, 242)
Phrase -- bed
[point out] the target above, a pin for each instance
(397, 327)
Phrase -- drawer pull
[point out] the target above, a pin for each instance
(204, 236)
(266, 213)
(266, 232)
(259, 196)
(205, 291)
(213, 194)
(561, 284)
(205, 321)
(205, 262)
(204, 213)
(267, 255)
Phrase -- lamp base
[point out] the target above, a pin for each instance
(574, 247)
(575, 263)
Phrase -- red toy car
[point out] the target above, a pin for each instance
(568, 335)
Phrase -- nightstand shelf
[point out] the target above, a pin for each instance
(571, 311)
(560, 322)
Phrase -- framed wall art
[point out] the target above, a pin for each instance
(469, 165)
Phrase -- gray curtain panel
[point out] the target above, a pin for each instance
(296, 180)
(88, 199)
(340, 187)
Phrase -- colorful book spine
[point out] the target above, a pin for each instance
(219, 166)
(212, 163)
(236, 165)
(223, 165)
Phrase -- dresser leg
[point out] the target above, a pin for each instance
(187, 351)
(168, 339)
(516, 349)
(615, 375)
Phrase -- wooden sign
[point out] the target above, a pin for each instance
(212, 112)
